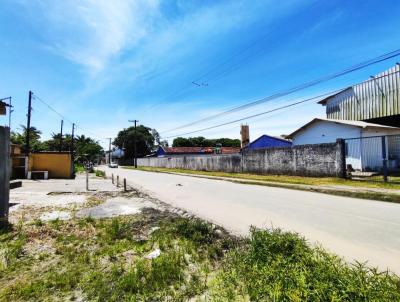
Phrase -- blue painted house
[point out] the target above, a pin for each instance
(266, 141)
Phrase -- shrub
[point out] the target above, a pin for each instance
(100, 173)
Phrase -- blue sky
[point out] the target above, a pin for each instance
(101, 63)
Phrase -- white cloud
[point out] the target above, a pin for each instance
(91, 33)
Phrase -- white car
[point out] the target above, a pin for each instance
(113, 165)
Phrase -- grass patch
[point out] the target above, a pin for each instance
(79, 168)
(295, 180)
(281, 266)
(105, 260)
(100, 173)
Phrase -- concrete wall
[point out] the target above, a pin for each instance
(306, 160)
(5, 168)
(59, 164)
(226, 163)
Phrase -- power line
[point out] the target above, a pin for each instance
(255, 115)
(277, 109)
(214, 68)
(300, 87)
(36, 97)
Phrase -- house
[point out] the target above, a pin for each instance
(267, 141)
(375, 100)
(363, 140)
(180, 151)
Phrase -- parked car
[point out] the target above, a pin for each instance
(113, 165)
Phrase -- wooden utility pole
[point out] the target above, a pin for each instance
(134, 142)
(61, 136)
(71, 149)
(109, 150)
(28, 124)
(72, 139)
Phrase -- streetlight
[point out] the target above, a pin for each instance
(9, 114)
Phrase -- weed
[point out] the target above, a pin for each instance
(102, 260)
(79, 168)
(56, 223)
(281, 266)
(37, 222)
(100, 173)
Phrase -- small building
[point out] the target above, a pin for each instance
(181, 151)
(363, 141)
(56, 164)
(267, 141)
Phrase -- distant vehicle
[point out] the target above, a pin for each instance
(113, 165)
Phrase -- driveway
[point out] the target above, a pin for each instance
(356, 229)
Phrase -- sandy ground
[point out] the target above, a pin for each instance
(64, 198)
(362, 230)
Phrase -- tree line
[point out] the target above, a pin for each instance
(201, 141)
(85, 148)
(88, 149)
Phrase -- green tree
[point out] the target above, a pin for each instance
(54, 143)
(145, 140)
(86, 149)
(34, 139)
(200, 141)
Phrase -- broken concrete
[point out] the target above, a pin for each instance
(116, 206)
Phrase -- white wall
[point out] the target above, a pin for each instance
(325, 132)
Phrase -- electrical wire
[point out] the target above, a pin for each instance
(255, 115)
(36, 97)
(300, 87)
(279, 108)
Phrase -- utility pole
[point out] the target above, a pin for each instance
(71, 149)
(72, 139)
(109, 150)
(134, 142)
(9, 116)
(28, 123)
(61, 136)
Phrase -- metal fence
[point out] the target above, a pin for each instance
(375, 158)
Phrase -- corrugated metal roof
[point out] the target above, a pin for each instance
(325, 100)
(377, 97)
(359, 124)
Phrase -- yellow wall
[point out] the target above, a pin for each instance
(59, 165)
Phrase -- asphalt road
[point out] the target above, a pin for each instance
(362, 230)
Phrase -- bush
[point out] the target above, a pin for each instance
(100, 173)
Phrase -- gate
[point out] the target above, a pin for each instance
(375, 158)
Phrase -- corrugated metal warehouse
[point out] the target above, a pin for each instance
(376, 100)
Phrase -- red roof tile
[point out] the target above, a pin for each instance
(200, 150)
(230, 150)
